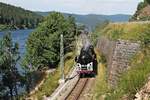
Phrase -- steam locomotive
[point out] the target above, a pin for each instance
(86, 62)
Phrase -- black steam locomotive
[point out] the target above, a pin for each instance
(86, 62)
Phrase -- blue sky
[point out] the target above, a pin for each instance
(107, 7)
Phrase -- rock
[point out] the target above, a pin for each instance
(138, 97)
(144, 93)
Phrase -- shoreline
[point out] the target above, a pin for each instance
(5, 28)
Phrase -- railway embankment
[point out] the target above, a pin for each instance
(72, 78)
(126, 47)
(48, 85)
(63, 90)
(118, 54)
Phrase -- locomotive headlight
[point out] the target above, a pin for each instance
(78, 66)
(90, 66)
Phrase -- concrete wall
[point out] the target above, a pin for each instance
(118, 54)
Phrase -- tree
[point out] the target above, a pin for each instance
(18, 17)
(141, 5)
(148, 1)
(9, 55)
(43, 44)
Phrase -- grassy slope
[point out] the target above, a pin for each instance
(128, 31)
(100, 86)
(132, 80)
(51, 81)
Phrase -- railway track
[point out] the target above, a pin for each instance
(77, 90)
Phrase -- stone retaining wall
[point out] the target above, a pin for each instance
(118, 54)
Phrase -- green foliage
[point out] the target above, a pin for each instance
(147, 1)
(6, 27)
(130, 31)
(43, 45)
(17, 17)
(116, 33)
(101, 85)
(141, 5)
(49, 86)
(136, 16)
(51, 80)
(9, 55)
(132, 80)
(145, 37)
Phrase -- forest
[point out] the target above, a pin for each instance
(12, 17)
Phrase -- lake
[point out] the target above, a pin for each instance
(19, 36)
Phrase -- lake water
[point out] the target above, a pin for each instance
(19, 36)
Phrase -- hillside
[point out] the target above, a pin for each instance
(119, 42)
(91, 20)
(143, 12)
(133, 31)
(12, 17)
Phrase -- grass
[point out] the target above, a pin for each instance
(127, 31)
(101, 86)
(132, 80)
(51, 82)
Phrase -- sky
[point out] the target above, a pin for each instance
(107, 7)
